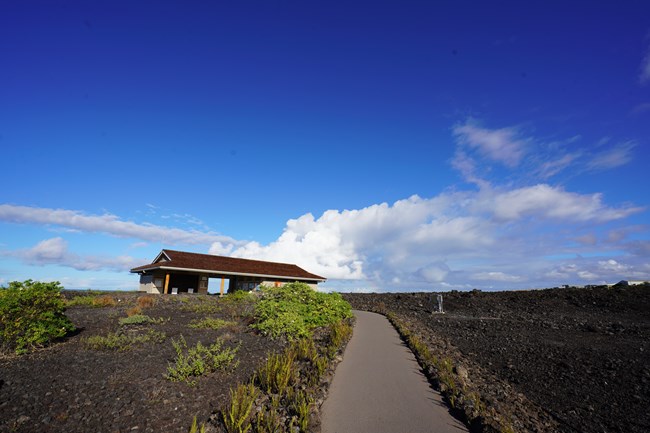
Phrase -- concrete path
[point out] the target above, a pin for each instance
(378, 387)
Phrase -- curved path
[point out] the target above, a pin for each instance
(379, 388)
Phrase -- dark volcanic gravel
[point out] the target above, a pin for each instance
(581, 355)
(71, 388)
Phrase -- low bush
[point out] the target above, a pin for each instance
(295, 309)
(32, 314)
(197, 361)
(121, 341)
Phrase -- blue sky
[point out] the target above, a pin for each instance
(384, 145)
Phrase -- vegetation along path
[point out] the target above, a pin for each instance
(378, 387)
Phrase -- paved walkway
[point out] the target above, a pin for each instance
(378, 387)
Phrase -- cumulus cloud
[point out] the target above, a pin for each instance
(419, 241)
(55, 251)
(501, 145)
(107, 224)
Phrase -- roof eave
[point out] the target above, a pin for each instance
(214, 271)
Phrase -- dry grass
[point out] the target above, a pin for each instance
(146, 301)
(134, 311)
(104, 301)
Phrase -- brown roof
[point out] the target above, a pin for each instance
(226, 265)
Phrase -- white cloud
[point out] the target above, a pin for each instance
(640, 108)
(588, 275)
(55, 251)
(501, 145)
(498, 277)
(524, 158)
(644, 75)
(417, 242)
(107, 224)
(612, 265)
(601, 270)
(551, 168)
(548, 202)
(47, 251)
(587, 239)
(467, 167)
(617, 156)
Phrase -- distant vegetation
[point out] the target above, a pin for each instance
(32, 315)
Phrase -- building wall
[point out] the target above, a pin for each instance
(155, 283)
(152, 283)
(146, 283)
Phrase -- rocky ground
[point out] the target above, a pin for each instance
(569, 360)
(69, 387)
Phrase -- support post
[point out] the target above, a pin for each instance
(223, 282)
(166, 284)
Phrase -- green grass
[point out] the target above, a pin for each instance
(140, 319)
(122, 342)
(278, 372)
(237, 417)
(194, 428)
(211, 323)
(95, 301)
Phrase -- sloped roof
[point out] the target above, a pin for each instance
(180, 260)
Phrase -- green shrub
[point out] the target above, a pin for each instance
(294, 309)
(211, 323)
(122, 342)
(199, 360)
(32, 314)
